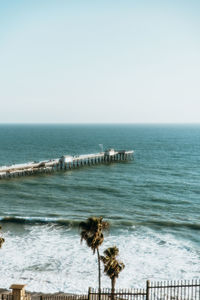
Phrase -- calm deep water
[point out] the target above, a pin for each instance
(152, 204)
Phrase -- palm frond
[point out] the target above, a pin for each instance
(112, 251)
(1, 241)
(112, 267)
(91, 232)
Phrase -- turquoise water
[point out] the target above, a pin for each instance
(152, 204)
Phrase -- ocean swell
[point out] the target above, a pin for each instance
(115, 223)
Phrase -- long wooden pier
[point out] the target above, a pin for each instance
(66, 162)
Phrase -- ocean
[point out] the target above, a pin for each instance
(152, 204)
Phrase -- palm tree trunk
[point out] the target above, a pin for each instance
(99, 268)
(113, 281)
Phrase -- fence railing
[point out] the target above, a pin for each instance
(60, 297)
(173, 290)
(126, 294)
(165, 290)
(6, 297)
(65, 297)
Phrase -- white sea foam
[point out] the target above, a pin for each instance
(50, 259)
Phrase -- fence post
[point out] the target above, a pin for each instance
(147, 290)
(89, 293)
(18, 291)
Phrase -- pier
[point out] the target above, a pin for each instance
(66, 162)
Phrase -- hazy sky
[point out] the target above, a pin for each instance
(99, 61)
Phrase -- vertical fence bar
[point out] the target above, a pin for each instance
(147, 290)
(89, 293)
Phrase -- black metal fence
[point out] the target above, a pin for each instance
(126, 294)
(165, 290)
(173, 290)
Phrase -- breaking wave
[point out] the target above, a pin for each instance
(114, 223)
(51, 259)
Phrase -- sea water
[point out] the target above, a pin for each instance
(152, 204)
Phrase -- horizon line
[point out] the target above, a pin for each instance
(99, 123)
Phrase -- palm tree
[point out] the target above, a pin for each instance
(112, 267)
(1, 240)
(92, 233)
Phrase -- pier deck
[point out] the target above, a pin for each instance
(64, 163)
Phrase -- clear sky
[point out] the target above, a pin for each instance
(106, 61)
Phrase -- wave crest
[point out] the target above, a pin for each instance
(114, 223)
